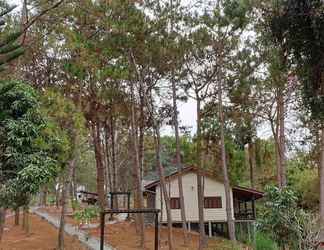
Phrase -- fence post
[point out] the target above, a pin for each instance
(102, 230)
(156, 231)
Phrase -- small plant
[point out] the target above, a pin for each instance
(86, 215)
(51, 200)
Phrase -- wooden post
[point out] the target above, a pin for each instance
(210, 229)
(111, 200)
(156, 231)
(128, 205)
(249, 230)
(102, 230)
(245, 209)
(253, 208)
(111, 204)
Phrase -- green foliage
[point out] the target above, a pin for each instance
(305, 182)
(300, 25)
(285, 222)
(25, 164)
(86, 215)
(278, 217)
(66, 123)
(10, 49)
(264, 242)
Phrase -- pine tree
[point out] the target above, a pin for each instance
(10, 48)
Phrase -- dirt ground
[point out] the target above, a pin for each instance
(43, 236)
(122, 235)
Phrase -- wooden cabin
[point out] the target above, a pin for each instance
(242, 201)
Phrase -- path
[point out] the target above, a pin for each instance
(91, 242)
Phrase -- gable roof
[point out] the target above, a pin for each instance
(242, 191)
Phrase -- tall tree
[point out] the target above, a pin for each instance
(65, 117)
(301, 24)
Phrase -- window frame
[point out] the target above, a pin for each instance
(175, 203)
(213, 202)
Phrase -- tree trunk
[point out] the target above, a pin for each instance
(141, 128)
(200, 190)
(138, 199)
(178, 162)
(44, 201)
(57, 194)
(228, 196)
(2, 221)
(282, 143)
(65, 197)
(17, 211)
(279, 137)
(252, 163)
(163, 185)
(113, 158)
(99, 165)
(321, 167)
(26, 225)
(107, 159)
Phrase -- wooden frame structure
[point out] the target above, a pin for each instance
(89, 197)
(129, 211)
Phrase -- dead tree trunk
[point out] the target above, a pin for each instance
(228, 196)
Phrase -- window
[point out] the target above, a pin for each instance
(175, 203)
(213, 202)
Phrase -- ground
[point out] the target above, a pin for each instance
(122, 235)
(43, 236)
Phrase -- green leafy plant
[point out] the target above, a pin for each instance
(86, 215)
(285, 222)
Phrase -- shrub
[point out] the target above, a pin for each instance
(86, 215)
(285, 222)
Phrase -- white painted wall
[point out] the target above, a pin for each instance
(189, 180)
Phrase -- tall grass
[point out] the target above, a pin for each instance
(264, 242)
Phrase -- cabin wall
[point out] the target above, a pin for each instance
(212, 188)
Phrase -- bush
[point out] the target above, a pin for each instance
(86, 215)
(264, 242)
(285, 222)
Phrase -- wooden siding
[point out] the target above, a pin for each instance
(213, 188)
